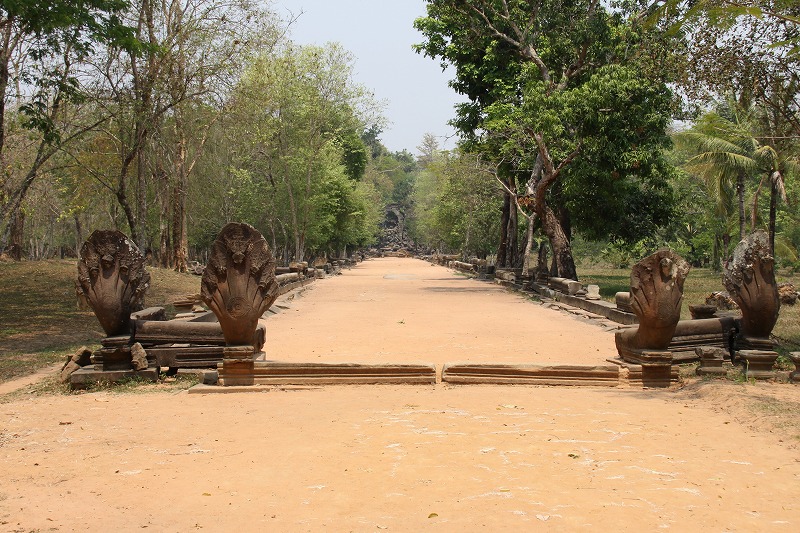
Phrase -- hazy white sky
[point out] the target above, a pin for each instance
(380, 34)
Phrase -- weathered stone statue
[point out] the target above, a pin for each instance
(239, 282)
(749, 277)
(655, 297)
(112, 277)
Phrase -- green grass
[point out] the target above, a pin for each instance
(700, 283)
(40, 322)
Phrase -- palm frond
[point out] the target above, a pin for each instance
(785, 249)
(728, 162)
(777, 180)
(701, 142)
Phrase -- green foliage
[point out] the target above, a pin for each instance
(456, 206)
(302, 156)
(354, 154)
(618, 187)
(572, 83)
(727, 154)
(58, 33)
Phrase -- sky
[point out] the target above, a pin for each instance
(380, 34)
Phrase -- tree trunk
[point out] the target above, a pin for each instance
(526, 258)
(740, 198)
(562, 250)
(512, 256)
(726, 242)
(78, 233)
(122, 198)
(566, 222)
(502, 249)
(141, 200)
(15, 238)
(773, 211)
(162, 186)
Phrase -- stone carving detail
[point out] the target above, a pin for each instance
(112, 277)
(750, 279)
(239, 282)
(656, 296)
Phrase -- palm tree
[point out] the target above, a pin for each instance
(727, 152)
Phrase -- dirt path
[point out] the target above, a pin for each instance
(406, 310)
(400, 458)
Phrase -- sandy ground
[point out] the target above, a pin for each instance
(403, 458)
(406, 310)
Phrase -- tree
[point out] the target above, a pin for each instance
(456, 206)
(302, 112)
(727, 150)
(41, 43)
(526, 66)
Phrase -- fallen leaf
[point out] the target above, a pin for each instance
(432, 515)
(206, 494)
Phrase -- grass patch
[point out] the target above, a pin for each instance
(782, 413)
(52, 386)
(41, 323)
(700, 283)
(14, 365)
(138, 385)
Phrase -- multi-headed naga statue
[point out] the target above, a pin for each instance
(239, 282)
(113, 279)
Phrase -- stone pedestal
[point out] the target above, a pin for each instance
(592, 292)
(755, 343)
(795, 376)
(114, 354)
(113, 363)
(238, 365)
(711, 359)
(656, 365)
(758, 363)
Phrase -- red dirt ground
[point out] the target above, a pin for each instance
(407, 458)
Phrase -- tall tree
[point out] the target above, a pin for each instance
(41, 43)
(298, 105)
(525, 66)
(729, 150)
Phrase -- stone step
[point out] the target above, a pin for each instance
(531, 374)
(283, 373)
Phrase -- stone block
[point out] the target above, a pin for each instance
(759, 364)
(572, 287)
(284, 373)
(623, 301)
(151, 313)
(531, 374)
(593, 292)
(81, 379)
(206, 376)
(795, 376)
(138, 357)
(711, 361)
(702, 311)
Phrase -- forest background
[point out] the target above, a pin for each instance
(597, 130)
